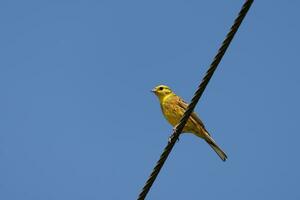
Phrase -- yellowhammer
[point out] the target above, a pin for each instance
(173, 108)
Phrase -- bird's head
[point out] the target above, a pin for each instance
(161, 91)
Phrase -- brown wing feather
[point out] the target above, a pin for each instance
(196, 120)
(193, 116)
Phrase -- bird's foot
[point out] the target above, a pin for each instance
(171, 137)
(174, 128)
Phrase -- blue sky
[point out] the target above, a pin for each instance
(77, 120)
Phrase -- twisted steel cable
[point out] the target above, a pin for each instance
(177, 131)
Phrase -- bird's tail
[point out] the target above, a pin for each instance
(216, 148)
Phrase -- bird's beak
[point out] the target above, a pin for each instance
(153, 90)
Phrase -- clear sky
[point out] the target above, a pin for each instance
(78, 121)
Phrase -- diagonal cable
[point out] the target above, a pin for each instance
(195, 99)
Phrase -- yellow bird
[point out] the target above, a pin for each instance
(173, 107)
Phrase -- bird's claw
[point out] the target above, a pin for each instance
(171, 137)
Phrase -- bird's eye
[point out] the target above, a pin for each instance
(161, 88)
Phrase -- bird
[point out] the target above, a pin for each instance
(173, 108)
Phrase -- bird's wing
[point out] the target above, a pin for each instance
(194, 117)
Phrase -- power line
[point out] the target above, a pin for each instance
(195, 99)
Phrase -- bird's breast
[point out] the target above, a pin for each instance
(171, 112)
